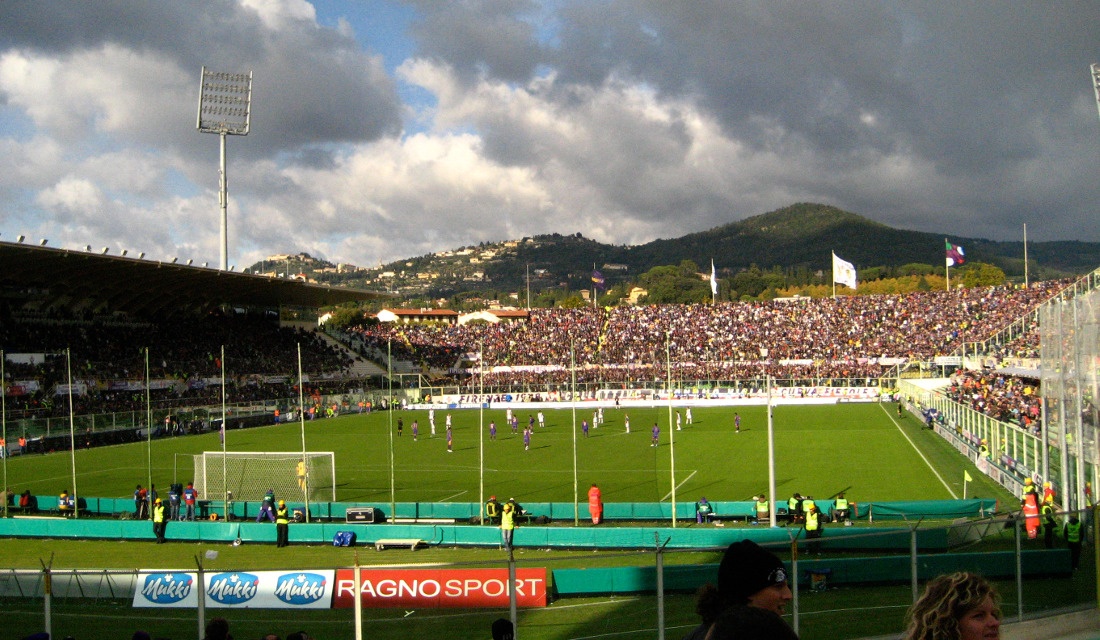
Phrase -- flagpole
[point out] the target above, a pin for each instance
(573, 406)
(225, 430)
(947, 268)
(4, 427)
(72, 431)
(305, 457)
(833, 278)
(1025, 256)
(149, 435)
(594, 287)
(481, 424)
(771, 458)
(389, 414)
(671, 431)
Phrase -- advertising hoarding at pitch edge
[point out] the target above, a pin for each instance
(440, 588)
(323, 589)
(237, 589)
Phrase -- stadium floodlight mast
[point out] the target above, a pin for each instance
(1095, 69)
(225, 108)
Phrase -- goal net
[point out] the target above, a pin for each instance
(249, 475)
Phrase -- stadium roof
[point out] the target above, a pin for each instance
(77, 280)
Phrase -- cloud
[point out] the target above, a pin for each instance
(625, 120)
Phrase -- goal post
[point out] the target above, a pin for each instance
(248, 475)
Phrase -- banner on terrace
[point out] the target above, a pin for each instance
(717, 394)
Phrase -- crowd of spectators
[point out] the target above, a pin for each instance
(848, 337)
(1007, 398)
(107, 361)
(843, 340)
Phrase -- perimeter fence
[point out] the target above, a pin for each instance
(855, 581)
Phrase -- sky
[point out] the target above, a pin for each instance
(383, 130)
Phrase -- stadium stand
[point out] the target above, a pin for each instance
(106, 311)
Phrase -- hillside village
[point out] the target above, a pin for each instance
(465, 269)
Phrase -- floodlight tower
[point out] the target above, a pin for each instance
(1095, 68)
(225, 103)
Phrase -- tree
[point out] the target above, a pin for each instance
(980, 274)
(679, 284)
(572, 302)
(346, 316)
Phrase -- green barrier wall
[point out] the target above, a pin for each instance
(887, 570)
(877, 538)
(560, 511)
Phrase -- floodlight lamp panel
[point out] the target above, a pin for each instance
(20, 238)
(105, 250)
(42, 242)
(225, 102)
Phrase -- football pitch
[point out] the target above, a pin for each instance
(862, 449)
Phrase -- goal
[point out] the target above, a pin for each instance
(249, 475)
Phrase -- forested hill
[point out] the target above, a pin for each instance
(798, 237)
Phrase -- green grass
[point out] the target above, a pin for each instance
(856, 448)
(862, 449)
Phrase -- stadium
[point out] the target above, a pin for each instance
(931, 413)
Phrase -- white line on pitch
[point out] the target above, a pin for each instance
(669, 494)
(452, 496)
(919, 452)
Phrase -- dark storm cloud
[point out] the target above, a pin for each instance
(480, 37)
(983, 99)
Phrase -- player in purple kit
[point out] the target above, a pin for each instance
(527, 438)
(737, 421)
(584, 427)
(515, 424)
(415, 429)
(656, 435)
(450, 437)
(492, 430)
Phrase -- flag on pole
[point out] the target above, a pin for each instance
(713, 279)
(597, 280)
(955, 254)
(966, 476)
(844, 272)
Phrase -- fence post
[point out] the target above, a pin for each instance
(47, 601)
(512, 592)
(201, 601)
(1094, 511)
(794, 577)
(358, 592)
(913, 567)
(1019, 571)
(660, 585)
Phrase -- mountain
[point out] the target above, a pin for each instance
(800, 236)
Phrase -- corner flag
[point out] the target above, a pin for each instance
(713, 280)
(966, 476)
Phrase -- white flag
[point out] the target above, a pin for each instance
(713, 279)
(844, 272)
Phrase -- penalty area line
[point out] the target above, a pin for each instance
(919, 452)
